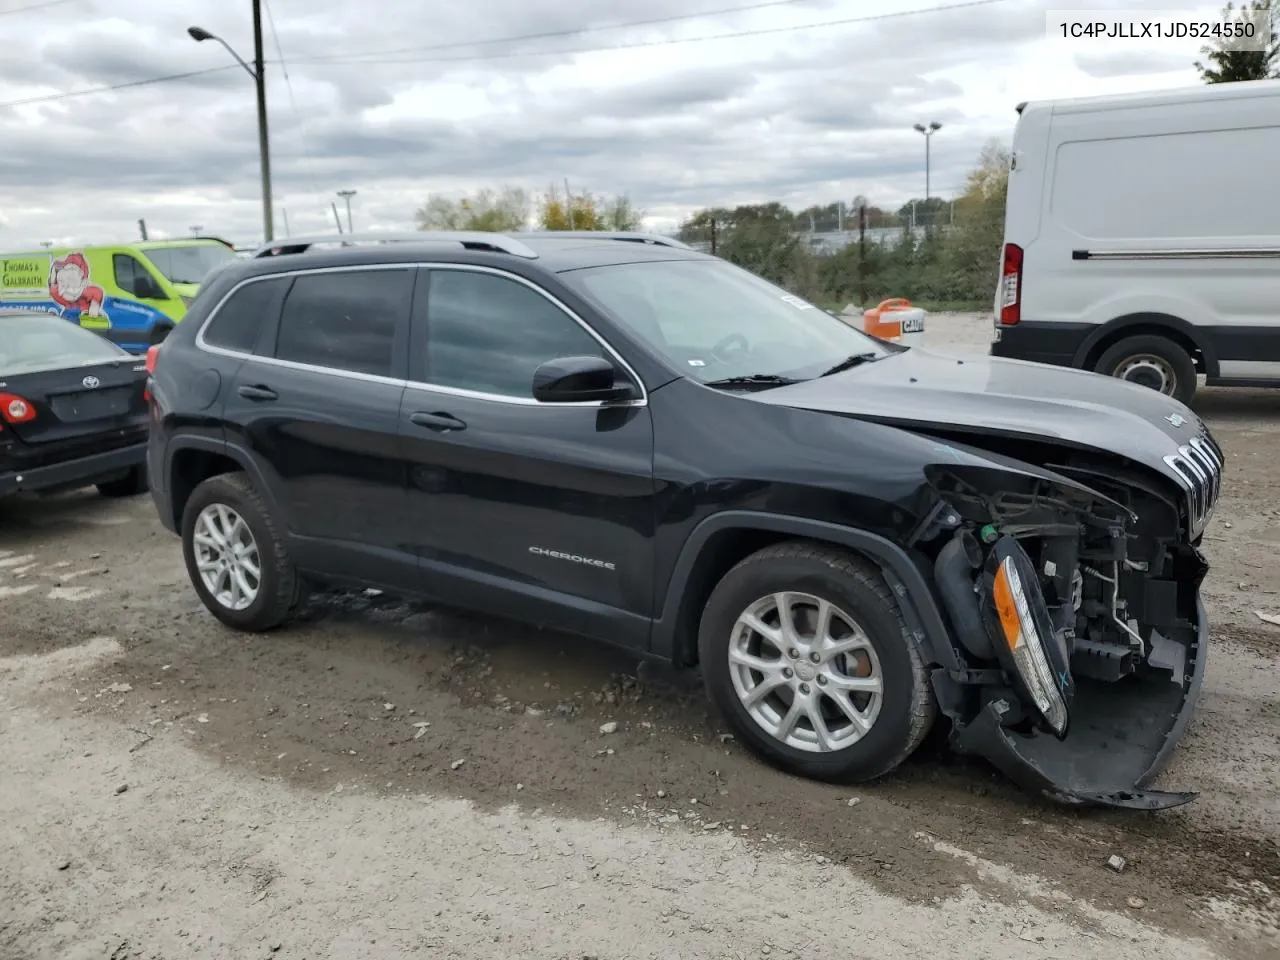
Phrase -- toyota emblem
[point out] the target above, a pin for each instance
(91, 382)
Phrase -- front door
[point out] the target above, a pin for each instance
(547, 507)
(320, 404)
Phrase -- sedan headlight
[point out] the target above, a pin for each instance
(1023, 636)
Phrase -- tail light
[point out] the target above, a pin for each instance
(153, 354)
(16, 409)
(1011, 285)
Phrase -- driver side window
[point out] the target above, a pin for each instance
(128, 272)
(488, 334)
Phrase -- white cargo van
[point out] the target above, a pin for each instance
(1142, 237)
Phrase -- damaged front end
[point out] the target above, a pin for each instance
(1073, 594)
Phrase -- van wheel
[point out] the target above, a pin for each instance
(805, 653)
(1152, 361)
(160, 333)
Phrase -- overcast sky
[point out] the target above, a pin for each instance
(399, 100)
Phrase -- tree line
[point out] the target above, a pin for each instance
(937, 251)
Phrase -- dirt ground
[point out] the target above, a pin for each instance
(392, 780)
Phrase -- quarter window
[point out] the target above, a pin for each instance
(239, 320)
(487, 333)
(345, 320)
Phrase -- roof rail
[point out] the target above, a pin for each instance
(656, 239)
(469, 239)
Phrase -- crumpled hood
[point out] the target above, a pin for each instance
(990, 395)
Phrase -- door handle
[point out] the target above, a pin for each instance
(440, 422)
(258, 393)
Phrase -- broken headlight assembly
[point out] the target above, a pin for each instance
(1018, 624)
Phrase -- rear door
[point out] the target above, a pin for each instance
(318, 406)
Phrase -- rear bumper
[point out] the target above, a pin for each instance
(80, 471)
(1114, 749)
(1057, 344)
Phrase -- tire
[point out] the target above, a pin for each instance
(1153, 361)
(279, 587)
(132, 484)
(906, 709)
(159, 333)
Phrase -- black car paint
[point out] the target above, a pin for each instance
(601, 520)
(48, 452)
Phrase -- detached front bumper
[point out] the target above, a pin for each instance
(1122, 734)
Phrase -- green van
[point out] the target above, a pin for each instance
(132, 294)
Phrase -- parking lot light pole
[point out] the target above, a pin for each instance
(928, 132)
(258, 73)
(347, 195)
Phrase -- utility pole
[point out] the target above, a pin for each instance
(197, 229)
(264, 150)
(142, 228)
(336, 219)
(285, 213)
(713, 234)
(568, 202)
(347, 195)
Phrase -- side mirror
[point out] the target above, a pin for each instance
(145, 286)
(578, 380)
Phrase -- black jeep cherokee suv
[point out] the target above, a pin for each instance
(617, 436)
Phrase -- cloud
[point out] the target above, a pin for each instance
(401, 101)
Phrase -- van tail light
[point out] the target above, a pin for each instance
(16, 409)
(153, 354)
(1011, 285)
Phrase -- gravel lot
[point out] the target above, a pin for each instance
(390, 780)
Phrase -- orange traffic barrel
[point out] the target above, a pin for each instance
(896, 320)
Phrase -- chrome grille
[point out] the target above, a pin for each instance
(1199, 464)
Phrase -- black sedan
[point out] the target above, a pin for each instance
(73, 409)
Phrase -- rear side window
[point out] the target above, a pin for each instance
(239, 320)
(345, 320)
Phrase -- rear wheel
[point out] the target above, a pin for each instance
(235, 556)
(1152, 361)
(132, 484)
(805, 653)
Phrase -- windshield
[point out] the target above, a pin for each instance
(715, 321)
(36, 343)
(189, 263)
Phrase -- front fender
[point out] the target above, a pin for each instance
(904, 573)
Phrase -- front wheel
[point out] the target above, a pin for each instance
(806, 655)
(1152, 361)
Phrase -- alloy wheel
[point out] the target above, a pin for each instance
(805, 672)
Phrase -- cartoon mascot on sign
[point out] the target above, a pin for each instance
(69, 286)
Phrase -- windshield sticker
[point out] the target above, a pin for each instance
(697, 363)
(796, 302)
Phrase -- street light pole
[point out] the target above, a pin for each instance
(258, 73)
(347, 195)
(928, 132)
